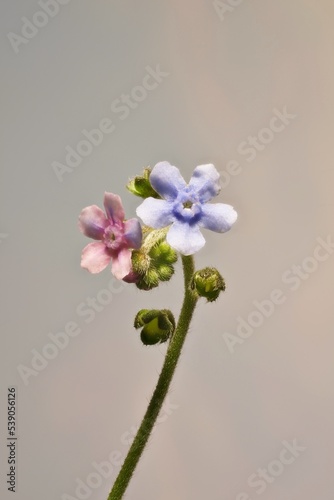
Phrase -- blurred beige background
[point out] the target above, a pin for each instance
(227, 66)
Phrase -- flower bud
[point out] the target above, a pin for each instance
(208, 283)
(141, 186)
(153, 264)
(158, 325)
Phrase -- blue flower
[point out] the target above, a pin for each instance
(184, 206)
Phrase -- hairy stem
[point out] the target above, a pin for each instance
(160, 392)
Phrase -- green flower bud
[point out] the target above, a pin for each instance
(153, 263)
(157, 325)
(164, 253)
(208, 283)
(141, 186)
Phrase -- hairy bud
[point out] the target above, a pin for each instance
(157, 325)
(208, 283)
(141, 186)
(153, 263)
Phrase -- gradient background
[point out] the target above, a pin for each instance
(225, 77)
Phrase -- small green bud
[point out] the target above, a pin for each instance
(208, 283)
(164, 253)
(140, 261)
(153, 264)
(165, 271)
(141, 186)
(158, 325)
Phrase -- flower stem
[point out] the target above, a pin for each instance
(166, 375)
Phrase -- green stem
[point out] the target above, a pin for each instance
(166, 375)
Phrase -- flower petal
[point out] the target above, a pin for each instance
(132, 277)
(156, 213)
(218, 217)
(95, 257)
(121, 264)
(185, 238)
(205, 182)
(133, 233)
(167, 180)
(92, 222)
(113, 206)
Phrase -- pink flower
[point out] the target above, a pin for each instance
(116, 237)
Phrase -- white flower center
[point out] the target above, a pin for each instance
(112, 237)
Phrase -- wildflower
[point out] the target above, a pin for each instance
(185, 207)
(116, 237)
